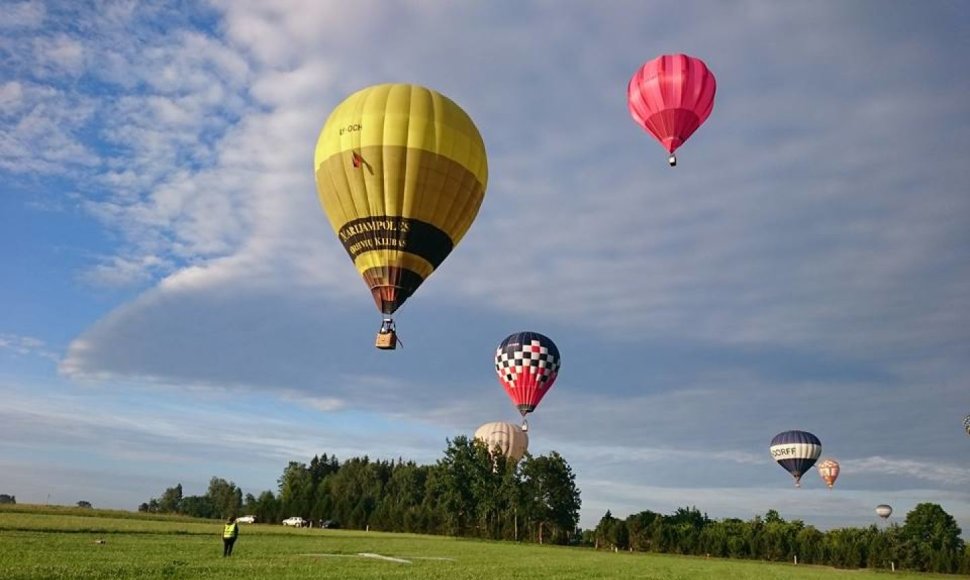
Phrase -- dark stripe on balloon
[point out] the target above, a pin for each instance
(788, 437)
(395, 233)
(391, 286)
(797, 467)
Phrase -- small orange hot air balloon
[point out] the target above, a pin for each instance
(829, 470)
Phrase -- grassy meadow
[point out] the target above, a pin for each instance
(43, 542)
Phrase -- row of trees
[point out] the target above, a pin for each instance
(469, 492)
(10, 499)
(928, 541)
(4, 498)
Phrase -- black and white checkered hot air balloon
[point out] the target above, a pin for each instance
(527, 364)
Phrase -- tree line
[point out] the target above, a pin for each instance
(471, 491)
(928, 541)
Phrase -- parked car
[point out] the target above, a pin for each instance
(295, 521)
(330, 524)
(246, 520)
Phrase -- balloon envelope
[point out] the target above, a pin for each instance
(884, 511)
(527, 364)
(401, 173)
(796, 451)
(966, 424)
(829, 471)
(671, 96)
(510, 439)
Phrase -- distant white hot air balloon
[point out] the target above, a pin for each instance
(884, 511)
(510, 438)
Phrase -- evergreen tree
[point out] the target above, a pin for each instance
(171, 500)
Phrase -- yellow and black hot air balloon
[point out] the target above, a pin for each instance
(401, 172)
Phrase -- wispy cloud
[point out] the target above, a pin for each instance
(26, 346)
(23, 15)
(211, 426)
(932, 472)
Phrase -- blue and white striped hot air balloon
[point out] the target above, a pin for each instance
(796, 451)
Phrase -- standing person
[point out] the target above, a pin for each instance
(229, 534)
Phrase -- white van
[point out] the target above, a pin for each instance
(246, 520)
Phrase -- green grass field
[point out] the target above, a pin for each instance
(42, 542)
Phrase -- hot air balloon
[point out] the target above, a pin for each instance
(401, 172)
(508, 437)
(966, 424)
(527, 364)
(670, 97)
(884, 511)
(796, 451)
(828, 469)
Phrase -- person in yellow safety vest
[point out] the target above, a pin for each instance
(229, 534)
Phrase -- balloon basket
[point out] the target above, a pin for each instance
(672, 160)
(386, 340)
(386, 336)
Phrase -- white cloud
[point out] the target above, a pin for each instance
(61, 54)
(39, 123)
(120, 271)
(700, 249)
(936, 473)
(26, 346)
(11, 97)
(23, 15)
(716, 254)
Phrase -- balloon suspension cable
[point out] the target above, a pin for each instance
(672, 160)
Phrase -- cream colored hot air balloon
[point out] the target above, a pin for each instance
(508, 437)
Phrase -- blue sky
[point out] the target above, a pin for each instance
(176, 306)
